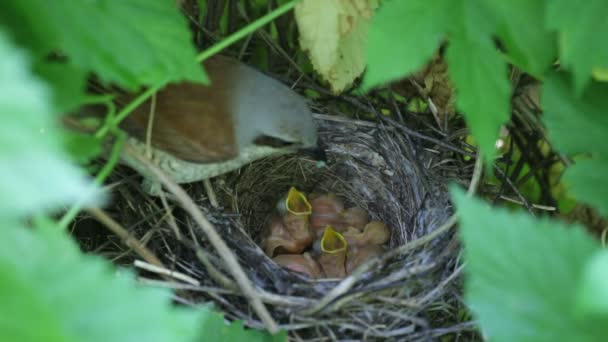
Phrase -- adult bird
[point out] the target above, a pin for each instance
(200, 131)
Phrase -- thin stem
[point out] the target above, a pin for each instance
(99, 179)
(232, 264)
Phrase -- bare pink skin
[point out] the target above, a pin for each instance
(352, 217)
(279, 239)
(298, 227)
(374, 233)
(326, 211)
(358, 255)
(301, 263)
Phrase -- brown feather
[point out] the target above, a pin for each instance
(193, 122)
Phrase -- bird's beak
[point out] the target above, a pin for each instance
(296, 203)
(316, 153)
(333, 256)
(332, 242)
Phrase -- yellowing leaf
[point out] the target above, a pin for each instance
(333, 32)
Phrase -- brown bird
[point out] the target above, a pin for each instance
(302, 263)
(199, 131)
(333, 254)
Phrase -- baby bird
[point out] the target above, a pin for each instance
(333, 254)
(352, 217)
(301, 263)
(297, 218)
(291, 233)
(326, 211)
(279, 240)
(365, 245)
(358, 255)
(374, 233)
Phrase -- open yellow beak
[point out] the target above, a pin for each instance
(297, 203)
(332, 242)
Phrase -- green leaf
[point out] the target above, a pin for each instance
(522, 274)
(67, 84)
(82, 147)
(582, 30)
(215, 330)
(73, 297)
(587, 181)
(403, 36)
(592, 294)
(11, 285)
(130, 42)
(479, 74)
(520, 27)
(476, 67)
(35, 174)
(575, 124)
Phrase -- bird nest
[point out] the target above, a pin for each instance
(412, 292)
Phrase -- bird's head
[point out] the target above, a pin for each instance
(266, 108)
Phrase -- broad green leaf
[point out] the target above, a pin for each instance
(130, 42)
(479, 73)
(587, 181)
(592, 294)
(50, 291)
(575, 124)
(67, 84)
(478, 70)
(35, 174)
(11, 285)
(49, 287)
(582, 29)
(522, 274)
(82, 147)
(215, 330)
(403, 36)
(520, 26)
